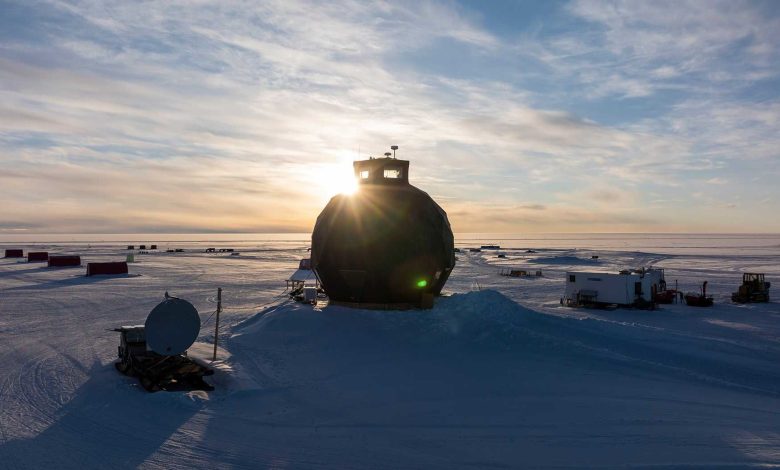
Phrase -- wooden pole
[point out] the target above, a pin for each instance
(216, 323)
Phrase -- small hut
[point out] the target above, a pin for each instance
(95, 269)
(59, 261)
(37, 256)
(13, 253)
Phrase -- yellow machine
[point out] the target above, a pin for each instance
(753, 289)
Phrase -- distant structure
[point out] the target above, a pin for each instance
(60, 261)
(387, 246)
(34, 256)
(14, 253)
(96, 269)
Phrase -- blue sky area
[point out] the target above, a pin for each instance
(566, 116)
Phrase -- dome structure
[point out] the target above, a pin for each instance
(388, 244)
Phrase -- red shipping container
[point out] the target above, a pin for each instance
(14, 253)
(64, 260)
(94, 269)
(37, 256)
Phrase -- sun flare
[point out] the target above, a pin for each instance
(337, 179)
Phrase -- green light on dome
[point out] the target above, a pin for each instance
(422, 283)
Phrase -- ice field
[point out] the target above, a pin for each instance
(497, 375)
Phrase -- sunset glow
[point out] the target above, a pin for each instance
(574, 116)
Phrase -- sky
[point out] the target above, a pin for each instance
(517, 117)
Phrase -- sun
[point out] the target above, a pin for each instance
(337, 179)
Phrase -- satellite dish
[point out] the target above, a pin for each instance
(172, 327)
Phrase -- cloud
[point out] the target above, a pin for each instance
(472, 218)
(720, 41)
(232, 116)
(717, 181)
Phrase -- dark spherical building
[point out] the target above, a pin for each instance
(389, 244)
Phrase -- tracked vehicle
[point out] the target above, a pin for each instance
(753, 289)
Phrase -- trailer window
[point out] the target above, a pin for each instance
(571, 278)
(638, 288)
(364, 175)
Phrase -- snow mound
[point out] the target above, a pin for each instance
(294, 340)
(486, 317)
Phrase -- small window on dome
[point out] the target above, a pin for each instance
(393, 173)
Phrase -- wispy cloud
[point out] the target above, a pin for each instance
(234, 116)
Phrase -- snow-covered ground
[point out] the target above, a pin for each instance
(498, 374)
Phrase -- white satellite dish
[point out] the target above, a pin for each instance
(172, 327)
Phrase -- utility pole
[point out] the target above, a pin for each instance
(216, 323)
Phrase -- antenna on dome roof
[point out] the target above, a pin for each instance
(393, 148)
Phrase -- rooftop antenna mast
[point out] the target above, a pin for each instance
(393, 148)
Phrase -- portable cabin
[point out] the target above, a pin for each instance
(13, 253)
(94, 269)
(153, 247)
(131, 247)
(33, 256)
(141, 247)
(627, 288)
(58, 261)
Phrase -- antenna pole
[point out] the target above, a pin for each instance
(216, 323)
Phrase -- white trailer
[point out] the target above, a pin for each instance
(629, 287)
